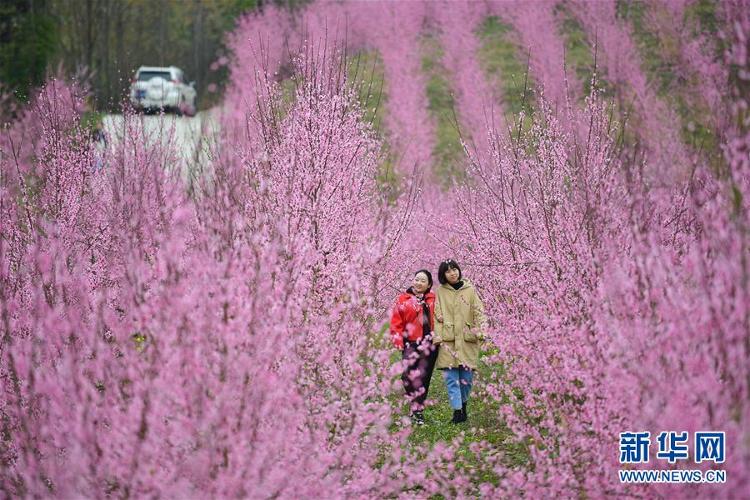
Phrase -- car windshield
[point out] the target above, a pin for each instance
(145, 76)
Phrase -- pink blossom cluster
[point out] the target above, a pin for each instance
(224, 341)
(221, 343)
(655, 124)
(265, 43)
(478, 105)
(539, 38)
(703, 76)
(617, 303)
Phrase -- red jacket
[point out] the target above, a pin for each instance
(406, 318)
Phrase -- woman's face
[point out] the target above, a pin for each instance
(420, 283)
(452, 275)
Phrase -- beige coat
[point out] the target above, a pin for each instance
(459, 326)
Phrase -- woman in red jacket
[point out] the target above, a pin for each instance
(412, 323)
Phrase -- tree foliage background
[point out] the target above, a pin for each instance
(106, 41)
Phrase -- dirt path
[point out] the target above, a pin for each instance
(191, 136)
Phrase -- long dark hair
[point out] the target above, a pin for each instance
(445, 266)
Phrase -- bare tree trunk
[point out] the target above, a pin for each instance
(121, 64)
(89, 42)
(111, 38)
(197, 42)
(162, 32)
(105, 58)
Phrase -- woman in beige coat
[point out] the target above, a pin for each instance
(459, 327)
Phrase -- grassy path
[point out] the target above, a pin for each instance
(485, 425)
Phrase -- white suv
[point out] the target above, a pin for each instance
(155, 87)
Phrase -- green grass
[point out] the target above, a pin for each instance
(507, 67)
(448, 152)
(703, 19)
(485, 425)
(578, 56)
(91, 120)
(366, 72)
(659, 52)
(580, 59)
(288, 91)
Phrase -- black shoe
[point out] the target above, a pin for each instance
(417, 418)
(463, 410)
(458, 417)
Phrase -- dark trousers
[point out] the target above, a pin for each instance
(419, 362)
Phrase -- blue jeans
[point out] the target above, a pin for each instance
(458, 382)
